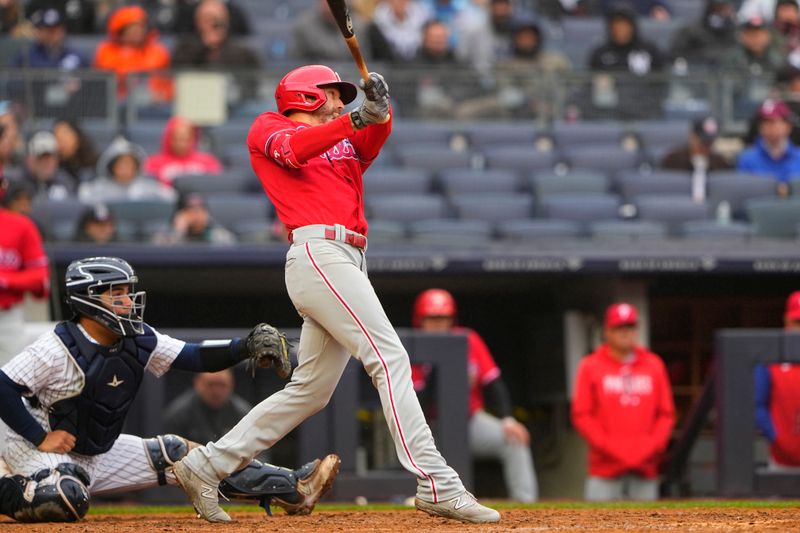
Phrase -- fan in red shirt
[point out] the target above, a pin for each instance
(778, 400)
(179, 154)
(623, 407)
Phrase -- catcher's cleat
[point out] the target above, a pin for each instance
(314, 480)
(465, 508)
(203, 495)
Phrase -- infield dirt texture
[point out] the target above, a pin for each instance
(761, 516)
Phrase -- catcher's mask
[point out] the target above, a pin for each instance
(87, 280)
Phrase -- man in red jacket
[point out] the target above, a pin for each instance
(778, 400)
(623, 407)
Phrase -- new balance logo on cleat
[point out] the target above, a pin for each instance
(461, 501)
(464, 508)
(208, 492)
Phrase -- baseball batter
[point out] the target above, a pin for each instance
(65, 398)
(310, 157)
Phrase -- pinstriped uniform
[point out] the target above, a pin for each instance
(50, 373)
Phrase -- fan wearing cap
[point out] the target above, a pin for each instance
(497, 435)
(42, 170)
(97, 225)
(778, 400)
(49, 49)
(697, 154)
(757, 51)
(773, 152)
(623, 407)
(759, 8)
(192, 223)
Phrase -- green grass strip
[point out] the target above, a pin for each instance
(342, 507)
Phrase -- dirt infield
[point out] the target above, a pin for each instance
(607, 520)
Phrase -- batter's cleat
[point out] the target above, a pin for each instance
(202, 494)
(313, 481)
(465, 508)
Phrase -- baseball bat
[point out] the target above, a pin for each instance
(341, 13)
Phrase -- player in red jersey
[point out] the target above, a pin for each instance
(778, 400)
(498, 437)
(623, 407)
(310, 157)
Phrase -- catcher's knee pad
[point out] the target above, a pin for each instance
(163, 451)
(259, 481)
(49, 495)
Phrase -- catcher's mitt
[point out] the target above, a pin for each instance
(266, 347)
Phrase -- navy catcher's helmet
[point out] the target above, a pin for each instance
(87, 279)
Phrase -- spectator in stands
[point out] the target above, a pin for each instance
(787, 82)
(192, 223)
(757, 51)
(10, 141)
(208, 410)
(497, 435)
(210, 45)
(436, 48)
(42, 171)
(179, 153)
(19, 198)
(501, 17)
(119, 177)
(76, 151)
(132, 47)
(401, 22)
(657, 9)
(787, 24)
(316, 36)
(698, 153)
(527, 50)
(49, 49)
(764, 9)
(704, 42)
(773, 152)
(778, 401)
(96, 225)
(12, 20)
(78, 15)
(625, 50)
(238, 23)
(623, 407)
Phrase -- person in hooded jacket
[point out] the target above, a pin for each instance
(703, 42)
(120, 178)
(625, 50)
(179, 154)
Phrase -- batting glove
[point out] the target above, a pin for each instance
(376, 88)
(370, 112)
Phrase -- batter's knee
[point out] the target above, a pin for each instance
(57, 495)
(163, 451)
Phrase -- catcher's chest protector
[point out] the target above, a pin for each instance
(113, 376)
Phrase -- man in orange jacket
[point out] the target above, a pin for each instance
(132, 47)
(623, 407)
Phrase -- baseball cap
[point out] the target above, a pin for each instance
(793, 306)
(42, 143)
(621, 314)
(706, 129)
(47, 18)
(774, 109)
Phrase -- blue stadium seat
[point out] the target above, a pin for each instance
(672, 210)
(711, 230)
(147, 216)
(452, 232)
(538, 229)
(627, 230)
(581, 35)
(737, 188)
(483, 134)
(385, 231)
(433, 157)
(632, 184)
(574, 182)
(659, 32)
(519, 158)
(608, 158)
(421, 132)
(397, 180)
(571, 134)
(57, 218)
(492, 207)
(406, 207)
(776, 218)
(687, 10)
(661, 133)
(227, 182)
(147, 134)
(237, 211)
(457, 181)
(585, 207)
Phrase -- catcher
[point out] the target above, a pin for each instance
(65, 398)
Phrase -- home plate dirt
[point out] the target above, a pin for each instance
(607, 520)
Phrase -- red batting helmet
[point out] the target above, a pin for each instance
(433, 302)
(303, 89)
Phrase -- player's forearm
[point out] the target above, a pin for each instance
(369, 141)
(14, 413)
(210, 356)
(34, 280)
(312, 142)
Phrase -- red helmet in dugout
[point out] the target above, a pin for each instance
(433, 302)
(303, 89)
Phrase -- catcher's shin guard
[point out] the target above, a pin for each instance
(163, 451)
(49, 495)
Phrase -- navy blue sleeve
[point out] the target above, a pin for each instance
(210, 356)
(14, 413)
(763, 392)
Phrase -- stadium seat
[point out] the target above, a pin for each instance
(385, 231)
(483, 134)
(146, 216)
(585, 207)
(230, 134)
(147, 134)
(57, 218)
(661, 133)
(632, 184)
(100, 131)
(627, 230)
(608, 158)
(794, 185)
(397, 180)
(737, 188)
(572, 134)
(433, 157)
(687, 10)
(583, 33)
(713, 231)
(254, 232)
(520, 158)
(672, 210)
(450, 231)
(777, 218)
(421, 132)
(406, 207)
(659, 32)
(227, 182)
(235, 211)
(574, 182)
(492, 207)
(478, 181)
(538, 229)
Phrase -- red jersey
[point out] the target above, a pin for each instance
(784, 409)
(481, 368)
(625, 411)
(23, 264)
(313, 174)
